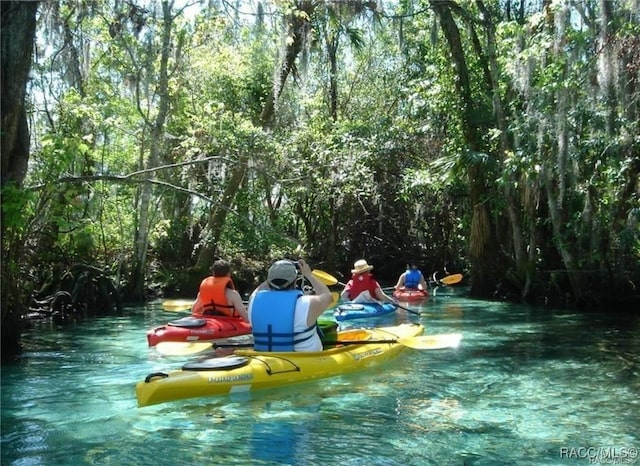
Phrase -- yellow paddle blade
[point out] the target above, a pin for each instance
(177, 305)
(325, 277)
(451, 279)
(335, 297)
(354, 335)
(182, 348)
(432, 342)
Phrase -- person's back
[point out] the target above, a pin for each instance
(217, 294)
(279, 322)
(363, 287)
(282, 318)
(412, 278)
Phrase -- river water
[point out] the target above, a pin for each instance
(527, 386)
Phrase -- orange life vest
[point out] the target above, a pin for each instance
(212, 298)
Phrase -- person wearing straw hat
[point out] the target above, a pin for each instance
(363, 287)
(282, 317)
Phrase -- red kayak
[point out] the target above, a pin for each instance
(205, 328)
(410, 295)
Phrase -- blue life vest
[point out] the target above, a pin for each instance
(412, 278)
(272, 320)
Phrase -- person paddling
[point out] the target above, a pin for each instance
(363, 287)
(411, 279)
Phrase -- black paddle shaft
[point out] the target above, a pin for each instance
(346, 342)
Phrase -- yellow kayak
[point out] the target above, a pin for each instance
(248, 370)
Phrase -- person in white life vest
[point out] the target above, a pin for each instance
(218, 295)
(363, 287)
(283, 318)
(411, 279)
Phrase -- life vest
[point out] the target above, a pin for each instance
(212, 298)
(362, 282)
(272, 321)
(412, 279)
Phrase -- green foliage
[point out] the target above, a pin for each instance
(17, 206)
(389, 175)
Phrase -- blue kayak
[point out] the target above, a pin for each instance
(349, 311)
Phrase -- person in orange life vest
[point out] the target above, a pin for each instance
(282, 317)
(363, 287)
(412, 278)
(218, 295)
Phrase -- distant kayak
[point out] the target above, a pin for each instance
(410, 295)
(350, 311)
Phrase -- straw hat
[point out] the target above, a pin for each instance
(361, 266)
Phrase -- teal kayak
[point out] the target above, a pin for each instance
(350, 311)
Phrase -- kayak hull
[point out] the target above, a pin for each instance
(192, 328)
(248, 370)
(410, 295)
(349, 311)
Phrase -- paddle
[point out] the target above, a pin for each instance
(449, 279)
(177, 305)
(422, 342)
(335, 297)
(180, 305)
(412, 311)
(326, 278)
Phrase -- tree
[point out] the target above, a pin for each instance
(17, 32)
(482, 241)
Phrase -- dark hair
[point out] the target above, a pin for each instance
(220, 268)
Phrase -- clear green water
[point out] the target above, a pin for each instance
(527, 387)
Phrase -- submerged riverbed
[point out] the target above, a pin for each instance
(527, 386)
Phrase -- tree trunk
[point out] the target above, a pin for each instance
(482, 244)
(136, 285)
(607, 58)
(332, 52)
(514, 209)
(18, 32)
(17, 35)
(558, 184)
(218, 215)
(297, 26)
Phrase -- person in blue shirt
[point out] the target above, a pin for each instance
(283, 318)
(411, 279)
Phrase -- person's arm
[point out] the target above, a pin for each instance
(382, 296)
(344, 294)
(235, 300)
(262, 286)
(196, 304)
(401, 280)
(423, 282)
(322, 298)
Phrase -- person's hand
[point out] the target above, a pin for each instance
(304, 267)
